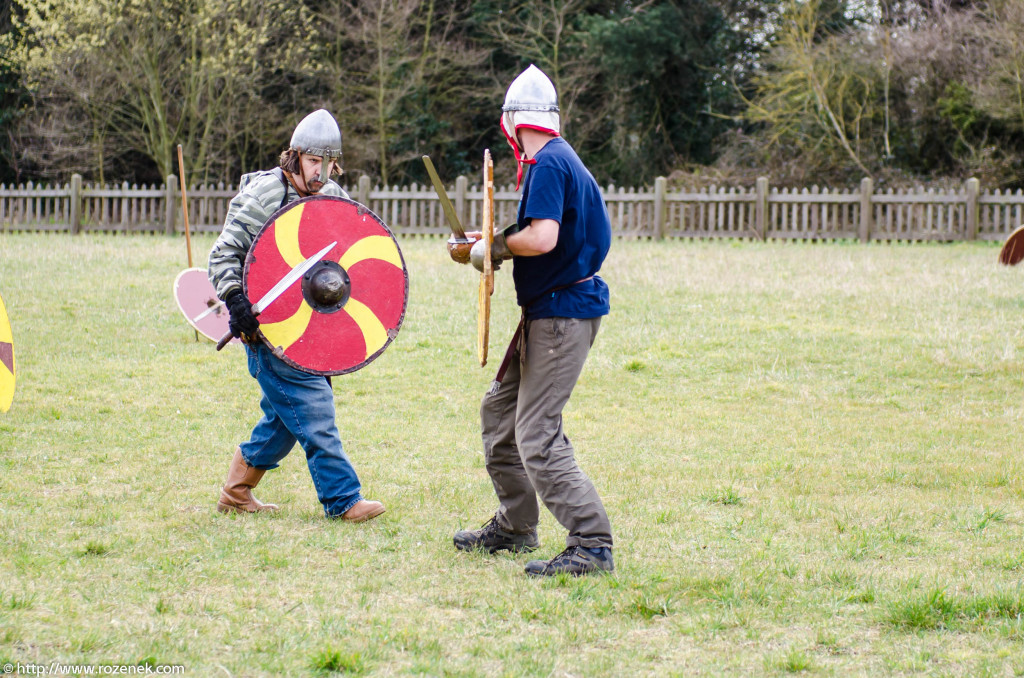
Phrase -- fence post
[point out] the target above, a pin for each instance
(363, 191)
(171, 188)
(660, 227)
(76, 203)
(761, 208)
(973, 208)
(867, 189)
(461, 186)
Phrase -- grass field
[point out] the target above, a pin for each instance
(810, 455)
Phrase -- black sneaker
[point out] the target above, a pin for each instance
(575, 560)
(492, 538)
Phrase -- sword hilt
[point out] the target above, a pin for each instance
(227, 336)
(458, 250)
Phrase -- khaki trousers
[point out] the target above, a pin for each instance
(525, 448)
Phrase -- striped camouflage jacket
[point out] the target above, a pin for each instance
(260, 194)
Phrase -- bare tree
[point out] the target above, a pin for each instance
(1000, 89)
(145, 75)
(404, 81)
(541, 31)
(815, 93)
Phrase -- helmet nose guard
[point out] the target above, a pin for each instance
(318, 134)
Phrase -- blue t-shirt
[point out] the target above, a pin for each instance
(560, 187)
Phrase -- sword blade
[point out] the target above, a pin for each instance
(446, 204)
(287, 281)
(212, 309)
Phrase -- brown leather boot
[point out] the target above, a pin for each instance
(236, 495)
(364, 509)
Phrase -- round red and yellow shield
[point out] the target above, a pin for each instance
(345, 310)
(7, 370)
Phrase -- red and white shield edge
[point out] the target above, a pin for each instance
(1012, 251)
(341, 341)
(7, 365)
(198, 302)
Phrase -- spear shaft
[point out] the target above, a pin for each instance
(184, 210)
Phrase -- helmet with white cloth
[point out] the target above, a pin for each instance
(531, 102)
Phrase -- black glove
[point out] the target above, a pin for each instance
(242, 322)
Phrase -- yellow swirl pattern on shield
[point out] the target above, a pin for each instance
(288, 331)
(286, 236)
(373, 330)
(372, 247)
(7, 366)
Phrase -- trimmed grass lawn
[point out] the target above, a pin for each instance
(810, 454)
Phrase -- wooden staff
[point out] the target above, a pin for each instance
(184, 210)
(184, 206)
(483, 318)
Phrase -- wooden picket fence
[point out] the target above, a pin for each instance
(757, 212)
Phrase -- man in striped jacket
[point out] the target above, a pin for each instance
(297, 406)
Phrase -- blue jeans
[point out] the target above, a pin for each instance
(298, 406)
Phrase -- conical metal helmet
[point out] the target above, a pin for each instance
(531, 101)
(318, 134)
(531, 91)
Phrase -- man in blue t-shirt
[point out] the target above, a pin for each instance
(560, 239)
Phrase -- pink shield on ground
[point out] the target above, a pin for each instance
(199, 304)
